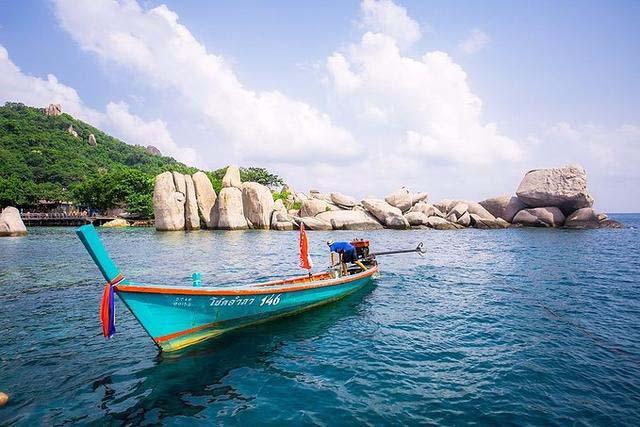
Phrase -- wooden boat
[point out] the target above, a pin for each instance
(178, 316)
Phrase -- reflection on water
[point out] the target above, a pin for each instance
(538, 326)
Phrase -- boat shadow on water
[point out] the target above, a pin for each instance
(186, 382)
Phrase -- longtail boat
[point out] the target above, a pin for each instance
(178, 316)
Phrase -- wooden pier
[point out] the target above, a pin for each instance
(62, 220)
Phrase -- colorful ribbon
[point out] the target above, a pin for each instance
(107, 309)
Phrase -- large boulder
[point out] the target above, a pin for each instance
(350, 220)
(419, 198)
(550, 216)
(427, 209)
(388, 215)
(10, 223)
(168, 204)
(564, 188)
(181, 184)
(483, 223)
(258, 204)
(206, 197)
(458, 209)
(442, 224)
(415, 218)
(92, 140)
(401, 199)
(313, 223)
(583, 218)
(53, 110)
(118, 222)
(505, 207)
(232, 178)
(191, 216)
(312, 207)
(153, 150)
(343, 201)
(315, 194)
(228, 211)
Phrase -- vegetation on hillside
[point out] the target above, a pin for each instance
(41, 160)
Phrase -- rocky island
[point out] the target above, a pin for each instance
(555, 197)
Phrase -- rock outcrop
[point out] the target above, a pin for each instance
(92, 140)
(53, 110)
(10, 223)
(564, 188)
(350, 220)
(505, 207)
(343, 201)
(583, 218)
(427, 209)
(168, 204)
(257, 202)
(118, 222)
(540, 217)
(205, 196)
(401, 199)
(483, 223)
(415, 218)
(153, 150)
(228, 211)
(389, 216)
(312, 223)
(312, 207)
(438, 223)
(232, 178)
(72, 131)
(191, 216)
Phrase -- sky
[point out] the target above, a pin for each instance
(458, 99)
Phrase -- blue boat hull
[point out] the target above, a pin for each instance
(178, 317)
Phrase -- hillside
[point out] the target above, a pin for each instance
(41, 159)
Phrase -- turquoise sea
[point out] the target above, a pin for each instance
(498, 327)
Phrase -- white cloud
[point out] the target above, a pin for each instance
(386, 17)
(134, 130)
(425, 105)
(475, 42)
(258, 125)
(15, 86)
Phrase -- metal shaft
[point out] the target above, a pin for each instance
(418, 249)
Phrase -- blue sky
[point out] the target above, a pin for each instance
(458, 99)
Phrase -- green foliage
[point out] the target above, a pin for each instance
(41, 160)
(282, 195)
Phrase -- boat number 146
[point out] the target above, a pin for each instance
(272, 299)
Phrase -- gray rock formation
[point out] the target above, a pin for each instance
(401, 199)
(583, 218)
(72, 131)
(388, 215)
(458, 210)
(312, 207)
(564, 188)
(312, 223)
(180, 183)
(478, 222)
(442, 224)
(350, 220)
(206, 197)
(168, 204)
(343, 201)
(550, 216)
(10, 223)
(153, 150)
(416, 218)
(505, 207)
(258, 204)
(419, 198)
(232, 178)
(53, 110)
(427, 209)
(191, 217)
(92, 140)
(315, 194)
(228, 211)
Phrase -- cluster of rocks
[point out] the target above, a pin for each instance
(10, 223)
(53, 110)
(545, 198)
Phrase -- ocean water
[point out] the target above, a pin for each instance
(522, 326)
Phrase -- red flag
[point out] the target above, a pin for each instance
(305, 260)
